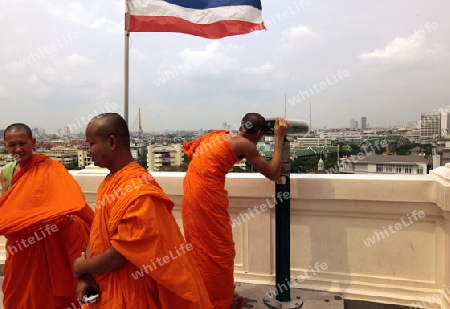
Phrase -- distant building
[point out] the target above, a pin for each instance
(442, 155)
(35, 132)
(413, 135)
(314, 141)
(5, 159)
(445, 125)
(430, 125)
(384, 164)
(137, 150)
(68, 159)
(84, 159)
(363, 123)
(241, 164)
(164, 155)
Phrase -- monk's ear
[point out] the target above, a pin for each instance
(259, 135)
(112, 141)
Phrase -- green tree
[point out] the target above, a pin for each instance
(142, 159)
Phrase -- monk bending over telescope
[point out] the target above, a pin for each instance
(206, 220)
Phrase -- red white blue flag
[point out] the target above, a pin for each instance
(211, 19)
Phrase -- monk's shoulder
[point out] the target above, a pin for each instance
(240, 145)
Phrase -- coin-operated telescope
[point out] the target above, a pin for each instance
(298, 128)
(286, 298)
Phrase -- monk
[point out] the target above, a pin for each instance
(46, 221)
(137, 257)
(204, 207)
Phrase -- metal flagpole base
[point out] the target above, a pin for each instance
(294, 303)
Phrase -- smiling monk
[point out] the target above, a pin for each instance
(46, 221)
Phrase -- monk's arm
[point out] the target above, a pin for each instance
(104, 262)
(249, 151)
(270, 169)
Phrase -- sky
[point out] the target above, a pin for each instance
(62, 62)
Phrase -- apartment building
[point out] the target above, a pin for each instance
(430, 125)
(384, 164)
(164, 155)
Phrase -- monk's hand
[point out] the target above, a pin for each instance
(85, 282)
(78, 266)
(281, 126)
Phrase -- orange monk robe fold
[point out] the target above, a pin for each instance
(205, 214)
(133, 215)
(42, 241)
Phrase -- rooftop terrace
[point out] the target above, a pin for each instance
(383, 239)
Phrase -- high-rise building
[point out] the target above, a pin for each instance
(445, 124)
(430, 125)
(35, 132)
(363, 123)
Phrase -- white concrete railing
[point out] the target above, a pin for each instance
(332, 218)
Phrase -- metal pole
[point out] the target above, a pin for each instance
(283, 238)
(282, 228)
(126, 64)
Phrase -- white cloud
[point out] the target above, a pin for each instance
(215, 59)
(138, 54)
(87, 16)
(299, 38)
(34, 80)
(14, 66)
(262, 69)
(78, 60)
(405, 50)
(37, 86)
(110, 85)
(49, 71)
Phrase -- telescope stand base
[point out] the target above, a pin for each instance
(294, 303)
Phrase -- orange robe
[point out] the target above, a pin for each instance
(46, 221)
(205, 214)
(133, 215)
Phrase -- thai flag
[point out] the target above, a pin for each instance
(211, 19)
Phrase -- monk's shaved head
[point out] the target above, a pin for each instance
(112, 124)
(252, 123)
(18, 127)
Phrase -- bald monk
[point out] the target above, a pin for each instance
(46, 221)
(137, 257)
(204, 208)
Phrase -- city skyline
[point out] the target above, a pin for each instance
(383, 61)
(77, 128)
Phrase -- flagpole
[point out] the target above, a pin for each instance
(126, 61)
